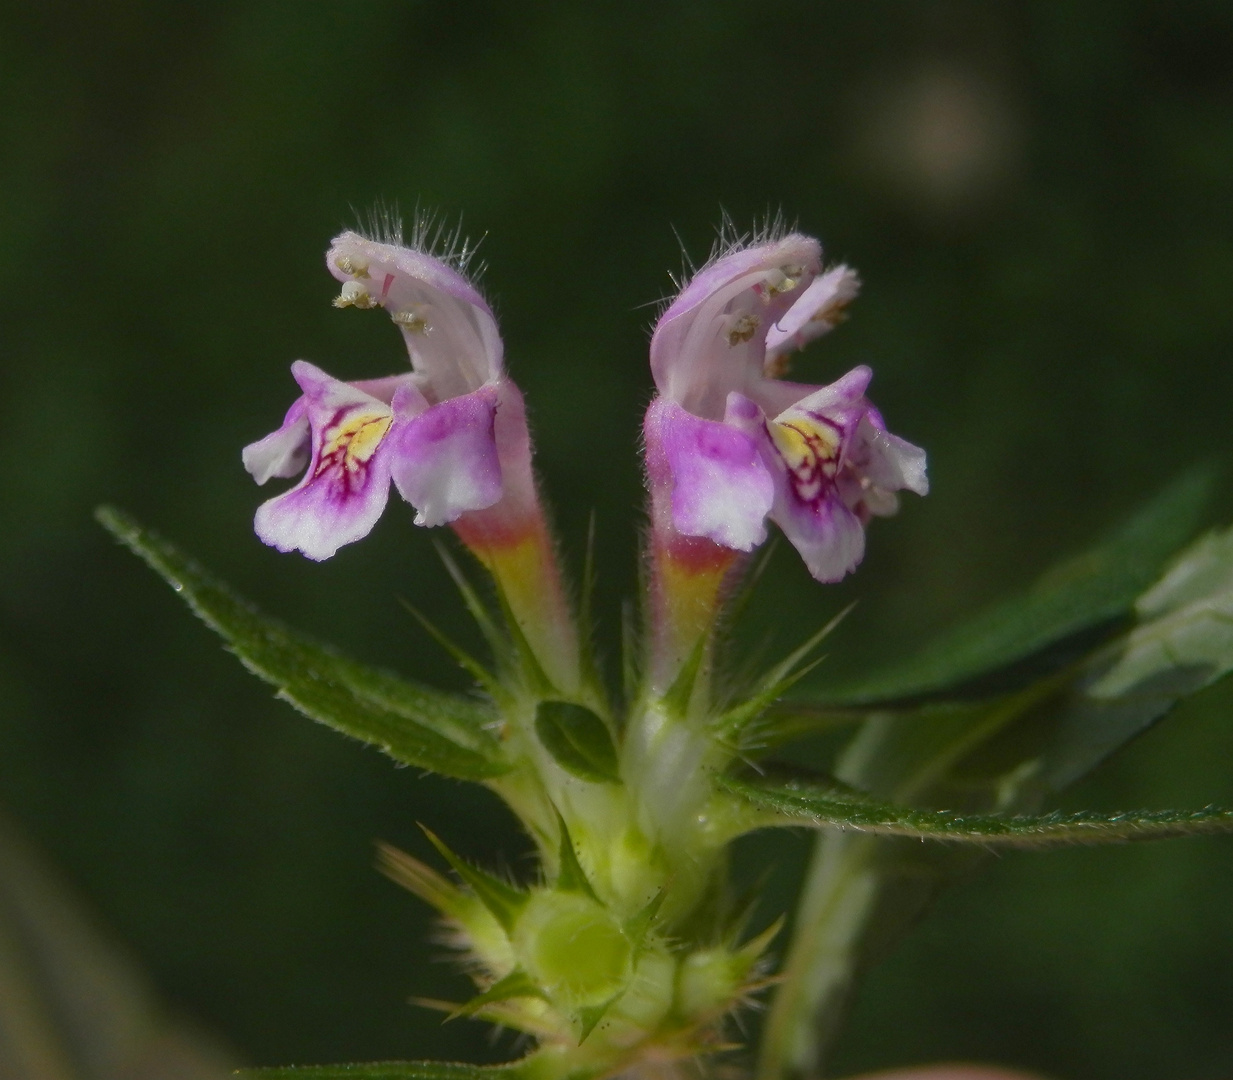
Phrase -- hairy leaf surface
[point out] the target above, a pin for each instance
(1071, 608)
(837, 806)
(444, 733)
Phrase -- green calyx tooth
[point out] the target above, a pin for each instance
(589, 1018)
(420, 879)
(517, 984)
(464, 659)
(499, 644)
(499, 897)
(536, 679)
(777, 681)
(677, 697)
(638, 927)
(571, 877)
(759, 943)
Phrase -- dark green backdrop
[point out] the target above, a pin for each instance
(1038, 196)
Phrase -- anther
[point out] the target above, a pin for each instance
(834, 313)
(776, 365)
(743, 329)
(354, 295)
(411, 321)
(783, 280)
(354, 265)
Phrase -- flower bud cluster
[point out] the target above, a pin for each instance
(558, 963)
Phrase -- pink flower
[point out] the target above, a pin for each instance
(439, 432)
(729, 444)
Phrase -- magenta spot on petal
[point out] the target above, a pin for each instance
(723, 444)
(437, 424)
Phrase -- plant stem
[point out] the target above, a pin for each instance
(840, 892)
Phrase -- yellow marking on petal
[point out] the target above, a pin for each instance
(354, 295)
(803, 439)
(743, 329)
(351, 443)
(810, 449)
(354, 265)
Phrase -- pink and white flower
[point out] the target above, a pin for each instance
(450, 433)
(729, 444)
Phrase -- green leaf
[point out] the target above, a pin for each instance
(1182, 644)
(578, 739)
(839, 806)
(499, 897)
(1068, 611)
(444, 733)
(1005, 754)
(392, 1070)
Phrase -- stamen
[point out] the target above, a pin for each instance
(783, 280)
(355, 265)
(410, 320)
(834, 313)
(354, 295)
(743, 329)
(776, 365)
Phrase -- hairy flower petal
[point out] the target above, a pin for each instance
(829, 536)
(721, 489)
(712, 338)
(715, 355)
(449, 329)
(444, 460)
(818, 309)
(345, 489)
(283, 452)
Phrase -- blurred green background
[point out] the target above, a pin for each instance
(1039, 197)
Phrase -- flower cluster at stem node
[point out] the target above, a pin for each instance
(625, 951)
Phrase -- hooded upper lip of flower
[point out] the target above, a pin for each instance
(817, 460)
(450, 331)
(713, 338)
(432, 431)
